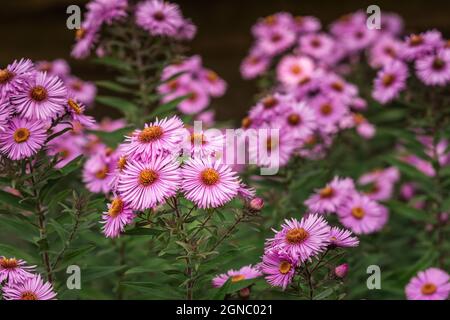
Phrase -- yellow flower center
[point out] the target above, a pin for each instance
(122, 163)
(326, 192)
(358, 213)
(198, 139)
(210, 176)
(116, 207)
(237, 278)
(10, 263)
(428, 289)
(102, 173)
(147, 177)
(150, 134)
(38, 93)
(80, 33)
(295, 69)
(285, 267)
(74, 106)
(296, 235)
(294, 119)
(246, 123)
(326, 109)
(21, 135)
(28, 295)
(5, 75)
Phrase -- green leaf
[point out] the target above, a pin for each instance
(112, 139)
(167, 107)
(407, 211)
(71, 166)
(112, 62)
(143, 232)
(324, 294)
(15, 201)
(222, 291)
(10, 251)
(126, 107)
(112, 86)
(93, 273)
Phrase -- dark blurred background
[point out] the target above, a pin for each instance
(37, 29)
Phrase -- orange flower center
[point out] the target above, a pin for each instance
(326, 192)
(326, 109)
(358, 213)
(237, 278)
(80, 33)
(8, 263)
(173, 85)
(390, 52)
(212, 76)
(271, 143)
(296, 235)
(358, 118)
(316, 43)
(210, 176)
(5, 75)
(198, 139)
(246, 122)
(64, 153)
(285, 267)
(38, 93)
(159, 16)
(428, 289)
(102, 173)
(438, 64)
(337, 86)
(294, 119)
(122, 163)
(416, 40)
(21, 135)
(74, 106)
(28, 295)
(388, 80)
(147, 177)
(116, 207)
(150, 134)
(77, 85)
(296, 69)
(270, 20)
(269, 102)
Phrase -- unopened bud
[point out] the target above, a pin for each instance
(341, 270)
(244, 293)
(256, 204)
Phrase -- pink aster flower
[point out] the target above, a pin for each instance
(302, 239)
(214, 85)
(434, 70)
(329, 111)
(85, 38)
(197, 98)
(186, 30)
(430, 284)
(362, 215)
(15, 76)
(299, 119)
(158, 17)
(84, 91)
(306, 24)
(107, 11)
(76, 111)
(277, 20)
(163, 135)
(317, 45)
(67, 147)
(144, 185)
(390, 81)
(118, 216)
(14, 270)
(58, 67)
(342, 238)
(42, 98)
(335, 86)
(294, 69)
(6, 111)
(209, 183)
(276, 40)
(254, 65)
(248, 193)
(391, 23)
(203, 143)
(245, 273)
(33, 288)
(206, 117)
(278, 268)
(97, 174)
(22, 138)
(384, 51)
(381, 183)
(329, 198)
(417, 45)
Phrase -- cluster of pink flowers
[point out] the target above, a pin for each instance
(147, 169)
(189, 78)
(37, 100)
(428, 52)
(19, 282)
(346, 39)
(430, 284)
(158, 17)
(359, 211)
(297, 242)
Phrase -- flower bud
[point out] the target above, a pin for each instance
(244, 293)
(256, 204)
(341, 270)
